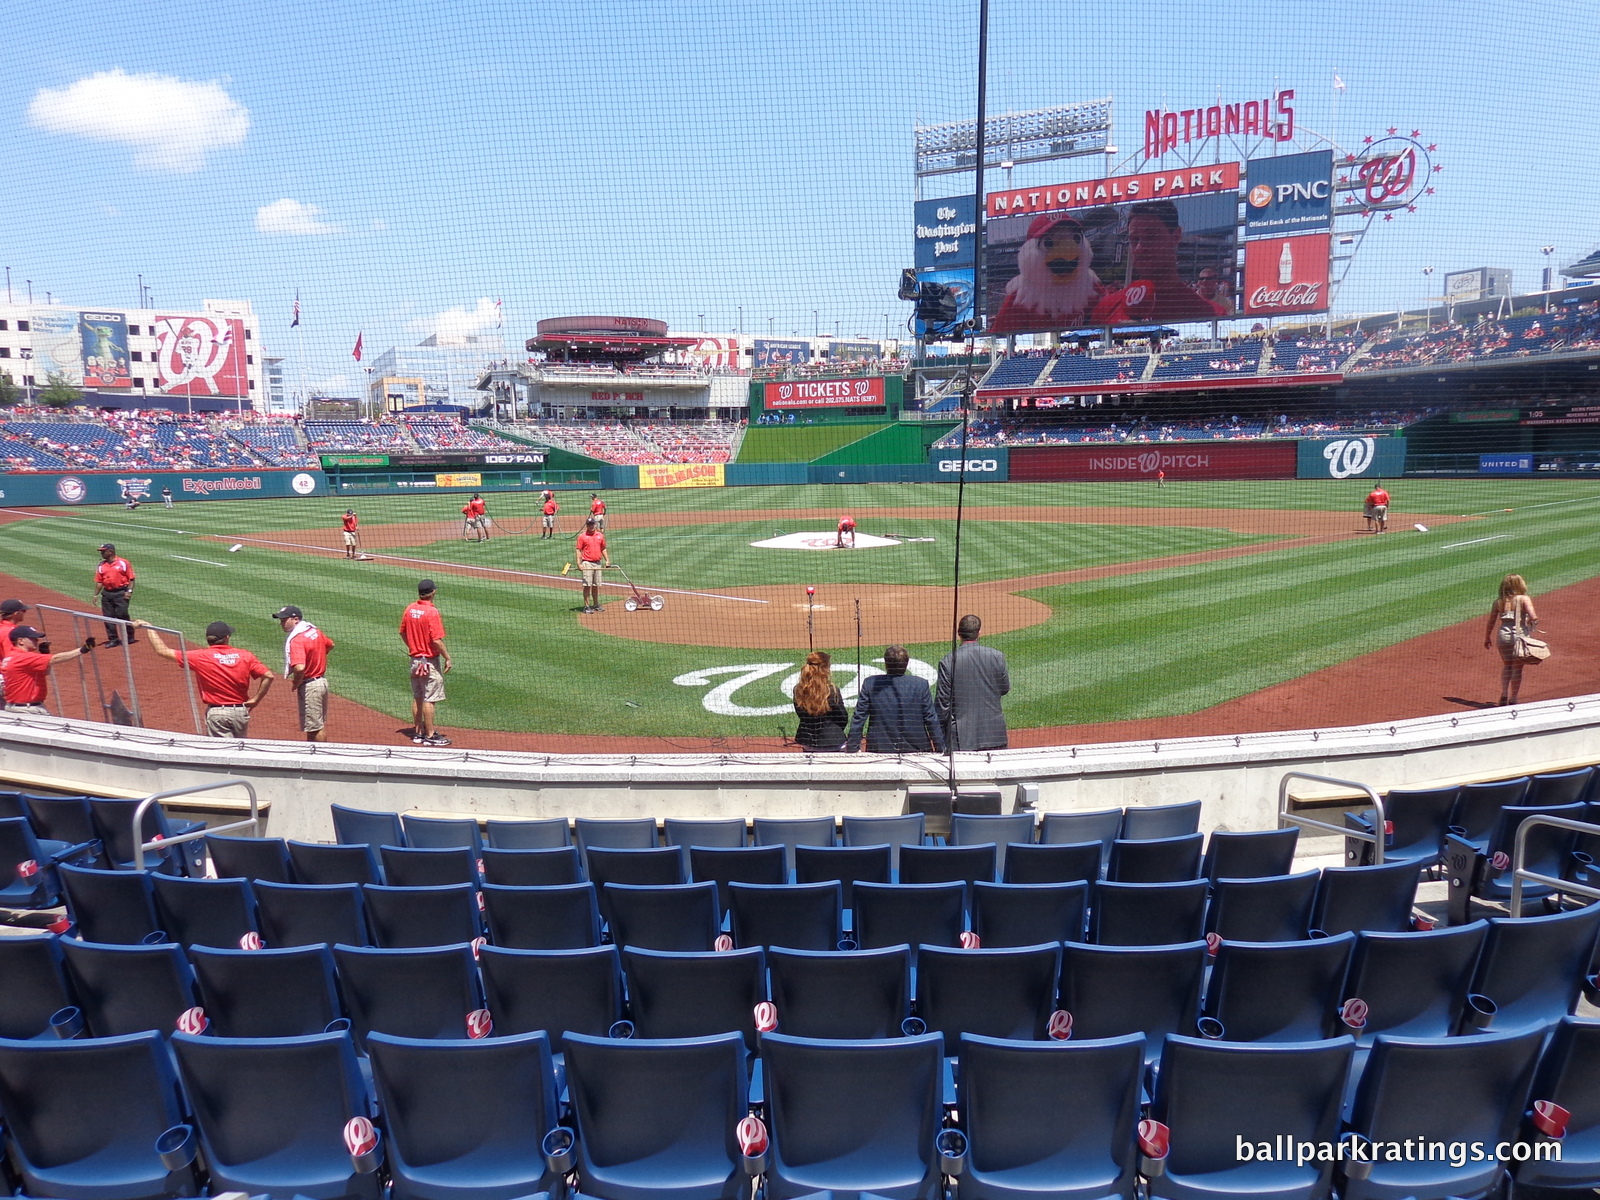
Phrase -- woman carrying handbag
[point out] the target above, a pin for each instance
(1512, 619)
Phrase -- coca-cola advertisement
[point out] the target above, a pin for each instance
(1166, 462)
(1286, 275)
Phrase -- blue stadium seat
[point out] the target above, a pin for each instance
(1251, 855)
(1214, 1095)
(83, 1117)
(271, 1113)
(113, 822)
(113, 907)
(1270, 909)
(974, 829)
(543, 834)
(909, 914)
(798, 916)
(1147, 914)
(35, 986)
(1156, 860)
(558, 917)
(727, 832)
(204, 912)
(422, 916)
(534, 867)
(426, 993)
(1533, 967)
(40, 886)
(129, 989)
(1420, 818)
(437, 833)
(681, 916)
(253, 858)
(1008, 993)
(853, 1116)
(1074, 828)
(1050, 1119)
(65, 819)
(439, 866)
(1454, 1090)
(628, 833)
(1569, 1075)
(465, 1119)
(1471, 869)
(657, 1120)
(1113, 991)
(674, 995)
(308, 914)
(1478, 805)
(847, 864)
(1378, 899)
(1019, 914)
(1279, 991)
(1414, 984)
(1066, 862)
(557, 991)
(644, 867)
(1152, 821)
(841, 994)
(907, 830)
(319, 862)
(948, 864)
(790, 832)
(266, 993)
(361, 826)
(1560, 787)
(724, 865)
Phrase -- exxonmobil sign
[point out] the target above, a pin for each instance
(1177, 461)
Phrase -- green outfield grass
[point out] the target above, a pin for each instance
(1148, 644)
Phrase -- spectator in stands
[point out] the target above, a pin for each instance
(895, 711)
(1511, 613)
(820, 706)
(1157, 291)
(972, 681)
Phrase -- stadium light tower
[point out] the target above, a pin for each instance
(741, 318)
(1549, 274)
(814, 323)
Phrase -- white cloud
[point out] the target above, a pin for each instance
(172, 123)
(455, 324)
(291, 217)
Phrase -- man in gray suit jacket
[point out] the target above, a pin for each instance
(972, 678)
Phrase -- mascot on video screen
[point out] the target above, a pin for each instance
(1054, 287)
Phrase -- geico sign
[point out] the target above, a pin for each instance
(973, 464)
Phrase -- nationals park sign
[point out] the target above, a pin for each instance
(825, 393)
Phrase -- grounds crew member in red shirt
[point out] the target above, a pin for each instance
(597, 511)
(113, 587)
(231, 681)
(1377, 510)
(27, 669)
(477, 514)
(305, 666)
(591, 552)
(350, 524)
(846, 525)
(550, 510)
(10, 617)
(422, 630)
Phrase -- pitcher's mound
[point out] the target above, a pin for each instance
(822, 541)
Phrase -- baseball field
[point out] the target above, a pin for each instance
(1114, 603)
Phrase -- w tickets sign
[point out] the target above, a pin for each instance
(201, 356)
(825, 393)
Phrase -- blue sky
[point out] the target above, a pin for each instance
(401, 161)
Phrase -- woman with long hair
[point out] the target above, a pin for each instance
(819, 705)
(1511, 613)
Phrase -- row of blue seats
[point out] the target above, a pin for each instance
(127, 907)
(133, 1118)
(1508, 973)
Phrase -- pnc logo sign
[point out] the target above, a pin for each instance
(1263, 194)
(974, 465)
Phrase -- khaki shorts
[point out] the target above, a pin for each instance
(313, 696)
(550, 521)
(36, 710)
(599, 520)
(591, 573)
(228, 721)
(428, 688)
(349, 538)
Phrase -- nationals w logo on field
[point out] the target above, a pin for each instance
(1349, 456)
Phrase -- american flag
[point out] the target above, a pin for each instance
(296, 320)
(356, 353)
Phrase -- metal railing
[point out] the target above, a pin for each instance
(1519, 856)
(1376, 837)
(84, 625)
(139, 846)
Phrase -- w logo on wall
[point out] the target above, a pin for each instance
(1349, 456)
(201, 356)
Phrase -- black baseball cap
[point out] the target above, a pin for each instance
(24, 631)
(425, 586)
(219, 630)
(287, 611)
(7, 607)
(110, 547)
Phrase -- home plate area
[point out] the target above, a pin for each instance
(821, 541)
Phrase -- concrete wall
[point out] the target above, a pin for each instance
(1236, 777)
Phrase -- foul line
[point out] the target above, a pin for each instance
(1542, 504)
(426, 562)
(1475, 541)
(207, 561)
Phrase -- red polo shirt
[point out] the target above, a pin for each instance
(350, 522)
(223, 673)
(550, 508)
(420, 625)
(27, 676)
(309, 650)
(118, 573)
(597, 507)
(591, 546)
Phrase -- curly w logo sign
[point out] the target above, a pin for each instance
(1351, 457)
